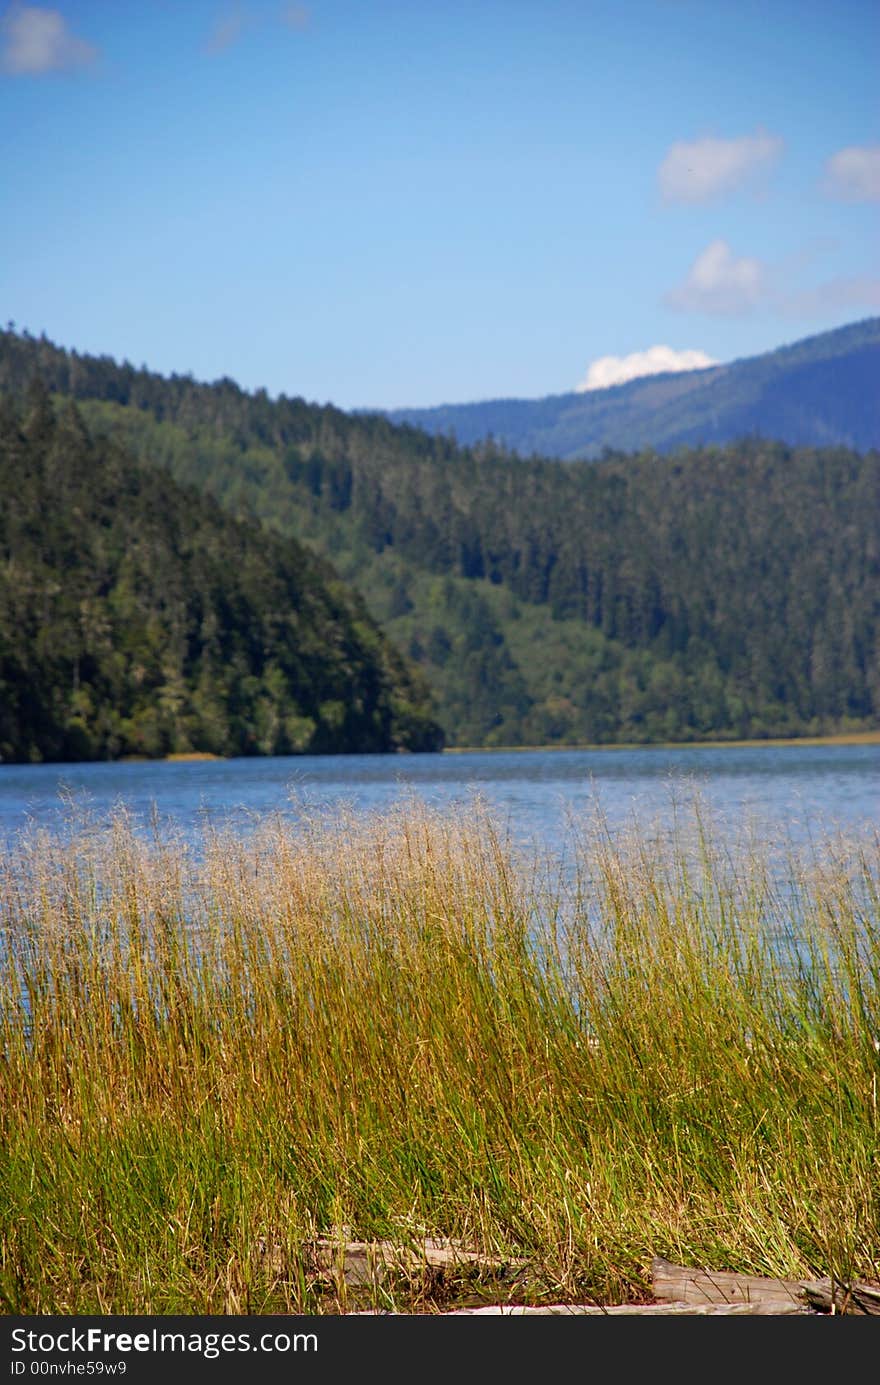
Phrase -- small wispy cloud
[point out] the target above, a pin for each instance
(657, 360)
(721, 283)
(295, 16)
(227, 30)
(856, 292)
(704, 170)
(230, 25)
(853, 174)
(37, 40)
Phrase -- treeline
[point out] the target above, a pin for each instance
(138, 618)
(721, 591)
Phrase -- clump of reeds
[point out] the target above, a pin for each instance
(212, 1053)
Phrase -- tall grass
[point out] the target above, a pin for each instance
(404, 1026)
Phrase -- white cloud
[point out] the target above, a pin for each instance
(853, 174)
(720, 283)
(38, 40)
(704, 169)
(657, 360)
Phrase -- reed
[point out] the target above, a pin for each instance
(212, 1052)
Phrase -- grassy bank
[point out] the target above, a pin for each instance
(210, 1057)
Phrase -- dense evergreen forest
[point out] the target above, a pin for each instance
(138, 618)
(714, 592)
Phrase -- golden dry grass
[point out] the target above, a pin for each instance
(211, 1054)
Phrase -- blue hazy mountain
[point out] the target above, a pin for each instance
(818, 392)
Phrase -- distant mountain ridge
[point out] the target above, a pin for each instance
(820, 391)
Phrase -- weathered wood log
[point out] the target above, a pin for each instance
(629, 1310)
(616, 1310)
(678, 1289)
(681, 1283)
(844, 1298)
(360, 1263)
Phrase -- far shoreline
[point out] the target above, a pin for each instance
(842, 738)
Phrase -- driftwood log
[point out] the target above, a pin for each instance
(681, 1284)
(678, 1290)
(616, 1310)
(362, 1263)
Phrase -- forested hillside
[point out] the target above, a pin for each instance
(721, 591)
(136, 617)
(818, 392)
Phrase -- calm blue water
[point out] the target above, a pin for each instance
(800, 791)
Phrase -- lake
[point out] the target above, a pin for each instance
(797, 790)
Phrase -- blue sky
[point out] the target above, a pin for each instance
(381, 203)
